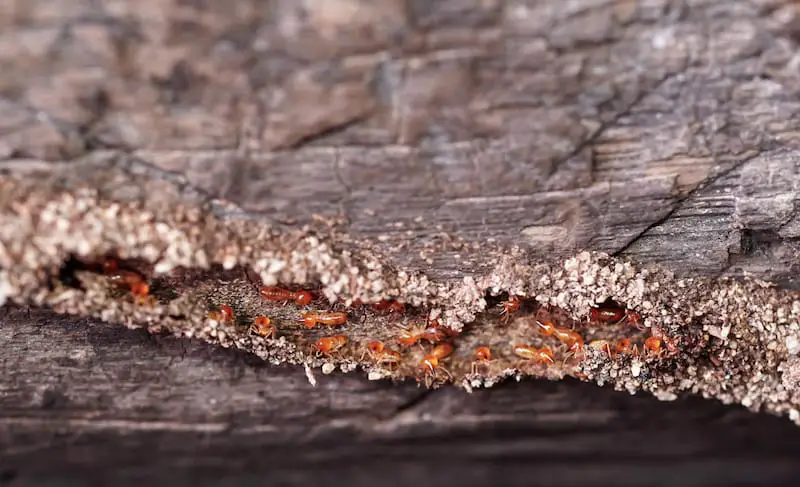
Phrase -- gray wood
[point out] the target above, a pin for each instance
(664, 131)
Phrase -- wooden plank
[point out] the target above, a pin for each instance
(663, 131)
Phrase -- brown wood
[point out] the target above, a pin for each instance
(662, 131)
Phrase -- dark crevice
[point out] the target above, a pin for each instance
(311, 138)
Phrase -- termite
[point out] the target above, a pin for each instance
(330, 319)
(653, 345)
(262, 326)
(272, 293)
(390, 306)
(546, 327)
(226, 312)
(607, 314)
(409, 337)
(509, 307)
(611, 315)
(416, 333)
(571, 339)
(542, 355)
(131, 280)
(431, 361)
(381, 355)
(483, 357)
(328, 345)
(123, 278)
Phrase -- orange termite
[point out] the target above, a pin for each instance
(330, 319)
(483, 356)
(509, 307)
(262, 326)
(431, 361)
(376, 347)
(410, 337)
(390, 306)
(483, 353)
(542, 355)
(226, 312)
(131, 280)
(653, 345)
(571, 339)
(607, 314)
(416, 333)
(377, 351)
(273, 293)
(441, 351)
(328, 345)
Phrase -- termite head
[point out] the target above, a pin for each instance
(226, 312)
(653, 345)
(376, 347)
(303, 298)
(546, 327)
(430, 363)
(483, 353)
(309, 320)
(545, 355)
(262, 326)
(140, 288)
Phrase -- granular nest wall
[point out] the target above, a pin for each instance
(589, 316)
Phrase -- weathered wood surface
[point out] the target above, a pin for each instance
(659, 130)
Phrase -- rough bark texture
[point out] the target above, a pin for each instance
(659, 131)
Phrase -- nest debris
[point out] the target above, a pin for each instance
(737, 340)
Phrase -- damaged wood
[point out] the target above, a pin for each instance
(432, 134)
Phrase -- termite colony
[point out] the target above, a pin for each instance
(403, 341)
(123, 277)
